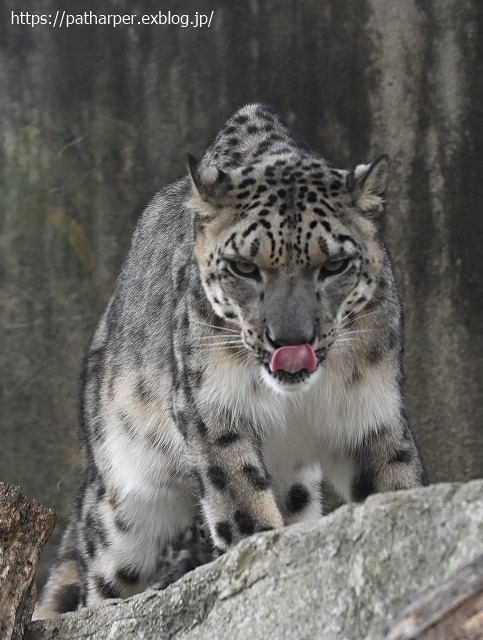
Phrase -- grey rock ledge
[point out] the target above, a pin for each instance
(334, 579)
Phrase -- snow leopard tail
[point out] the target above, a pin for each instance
(63, 588)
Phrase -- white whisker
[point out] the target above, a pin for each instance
(233, 347)
(211, 347)
(336, 343)
(214, 326)
(230, 340)
(355, 332)
(227, 340)
(348, 320)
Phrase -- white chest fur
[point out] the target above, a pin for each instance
(316, 426)
(329, 412)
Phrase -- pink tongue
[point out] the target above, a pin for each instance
(294, 358)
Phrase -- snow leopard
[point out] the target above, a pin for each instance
(250, 356)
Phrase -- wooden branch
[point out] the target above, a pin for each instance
(25, 526)
(451, 611)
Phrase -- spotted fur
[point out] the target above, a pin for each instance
(185, 426)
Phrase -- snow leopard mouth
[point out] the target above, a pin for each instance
(293, 364)
(286, 377)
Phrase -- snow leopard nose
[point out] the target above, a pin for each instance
(290, 312)
(289, 336)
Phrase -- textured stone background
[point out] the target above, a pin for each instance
(93, 120)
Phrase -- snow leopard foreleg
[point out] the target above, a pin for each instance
(387, 460)
(233, 486)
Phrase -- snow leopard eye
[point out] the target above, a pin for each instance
(334, 267)
(243, 269)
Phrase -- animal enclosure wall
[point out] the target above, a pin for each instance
(95, 118)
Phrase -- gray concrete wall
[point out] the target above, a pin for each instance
(94, 119)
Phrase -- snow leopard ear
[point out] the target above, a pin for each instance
(367, 183)
(210, 183)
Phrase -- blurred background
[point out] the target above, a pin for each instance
(94, 119)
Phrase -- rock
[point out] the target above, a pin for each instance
(453, 609)
(25, 526)
(335, 579)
